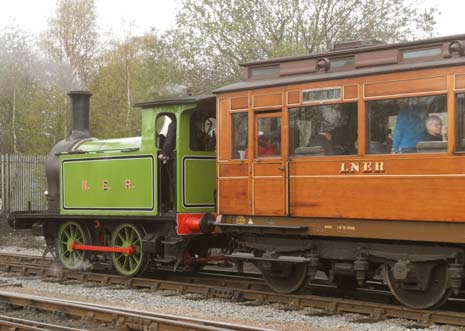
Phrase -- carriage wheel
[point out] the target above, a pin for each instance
(68, 233)
(126, 235)
(434, 296)
(284, 277)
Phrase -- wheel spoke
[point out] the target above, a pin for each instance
(72, 230)
(131, 263)
(126, 233)
(120, 237)
(137, 258)
(126, 261)
(133, 236)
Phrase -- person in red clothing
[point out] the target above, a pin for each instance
(265, 147)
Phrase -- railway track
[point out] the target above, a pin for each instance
(19, 324)
(250, 291)
(121, 319)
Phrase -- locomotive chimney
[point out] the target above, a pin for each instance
(80, 110)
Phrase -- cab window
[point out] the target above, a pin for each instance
(408, 125)
(323, 130)
(161, 125)
(202, 131)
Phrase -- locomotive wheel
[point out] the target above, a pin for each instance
(285, 277)
(434, 296)
(126, 235)
(68, 233)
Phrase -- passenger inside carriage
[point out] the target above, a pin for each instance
(323, 130)
(434, 129)
(413, 121)
(410, 129)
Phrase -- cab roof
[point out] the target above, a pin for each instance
(176, 101)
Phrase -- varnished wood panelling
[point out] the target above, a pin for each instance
(269, 197)
(460, 81)
(297, 67)
(268, 169)
(234, 197)
(369, 59)
(350, 92)
(407, 86)
(267, 100)
(394, 164)
(224, 143)
(293, 97)
(239, 103)
(234, 170)
(379, 198)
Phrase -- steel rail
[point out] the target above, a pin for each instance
(235, 292)
(18, 324)
(133, 320)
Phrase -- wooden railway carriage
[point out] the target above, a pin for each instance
(318, 168)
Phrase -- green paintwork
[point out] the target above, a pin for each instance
(198, 189)
(118, 160)
(110, 144)
(120, 182)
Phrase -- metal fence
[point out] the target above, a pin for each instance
(22, 183)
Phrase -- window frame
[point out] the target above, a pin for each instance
(400, 97)
(313, 157)
(268, 114)
(231, 118)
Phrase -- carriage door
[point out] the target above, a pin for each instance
(268, 168)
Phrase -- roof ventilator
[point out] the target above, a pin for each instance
(456, 46)
(323, 64)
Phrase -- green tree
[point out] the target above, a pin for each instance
(73, 37)
(16, 63)
(132, 70)
(213, 36)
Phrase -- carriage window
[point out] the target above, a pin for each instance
(460, 108)
(322, 94)
(422, 53)
(408, 125)
(240, 127)
(323, 130)
(268, 135)
(202, 131)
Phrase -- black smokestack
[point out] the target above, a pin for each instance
(80, 109)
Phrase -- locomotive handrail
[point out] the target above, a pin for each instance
(78, 151)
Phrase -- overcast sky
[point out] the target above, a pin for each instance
(116, 15)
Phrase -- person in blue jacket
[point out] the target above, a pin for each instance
(410, 129)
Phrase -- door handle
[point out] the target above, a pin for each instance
(282, 168)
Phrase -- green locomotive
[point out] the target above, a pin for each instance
(125, 198)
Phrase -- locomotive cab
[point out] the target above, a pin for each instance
(183, 142)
